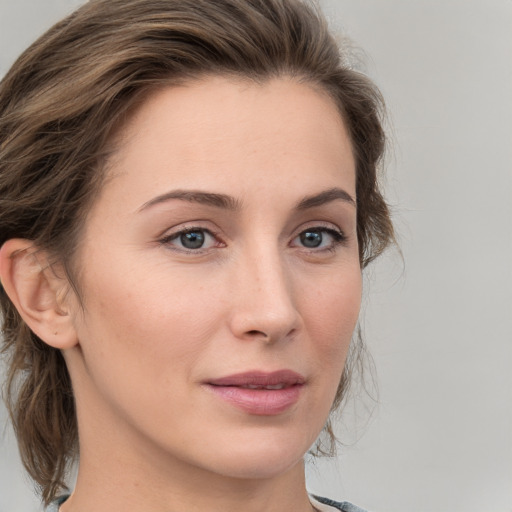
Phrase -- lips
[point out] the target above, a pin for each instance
(259, 393)
(284, 378)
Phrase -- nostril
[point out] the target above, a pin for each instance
(255, 332)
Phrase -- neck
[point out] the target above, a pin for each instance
(120, 471)
(102, 486)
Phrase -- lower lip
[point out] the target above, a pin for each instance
(262, 402)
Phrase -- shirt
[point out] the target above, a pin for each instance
(322, 504)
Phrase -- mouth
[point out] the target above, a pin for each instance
(253, 386)
(259, 393)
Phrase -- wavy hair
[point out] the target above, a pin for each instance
(59, 105)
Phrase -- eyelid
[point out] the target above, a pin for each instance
(189, 225)
(319, 226)
(174, 233)
(334, 231)
(171, 234)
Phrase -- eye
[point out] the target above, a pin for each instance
(311, 239)
(191, 239)
(319, 238)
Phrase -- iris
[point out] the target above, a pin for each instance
(192, 239)
(311, 239)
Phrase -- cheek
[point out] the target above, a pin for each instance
(332, 314)
(151, 318)
(140, 342)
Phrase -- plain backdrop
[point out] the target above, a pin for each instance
(439, 324)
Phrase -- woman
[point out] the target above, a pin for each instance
(188, 197)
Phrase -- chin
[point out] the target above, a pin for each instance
(259, 469)
(261, 457)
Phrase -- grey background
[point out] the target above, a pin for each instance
(439, 326)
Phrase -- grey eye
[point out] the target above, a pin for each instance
(192, 239)
(311, 239)
(319, 238)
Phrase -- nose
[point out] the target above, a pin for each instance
(264, 305)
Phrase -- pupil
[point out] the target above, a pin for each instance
(192, 240)
(311, 238)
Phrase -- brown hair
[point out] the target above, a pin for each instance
(59, 105)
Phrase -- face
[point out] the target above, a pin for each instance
(220, 276)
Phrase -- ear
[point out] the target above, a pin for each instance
(37, 292)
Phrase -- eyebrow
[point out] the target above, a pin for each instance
(327, 196)
(196, 196)
(227, 202)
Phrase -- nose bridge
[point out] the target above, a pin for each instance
(265, 303)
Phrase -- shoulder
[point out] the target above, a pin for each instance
(54, 505)
(343, 506)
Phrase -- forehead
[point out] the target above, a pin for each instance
(221, 131)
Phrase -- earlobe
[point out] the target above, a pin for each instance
(36, 292)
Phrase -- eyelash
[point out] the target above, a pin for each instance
(166, 240)
(338, 238)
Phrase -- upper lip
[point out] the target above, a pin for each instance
(260, 378)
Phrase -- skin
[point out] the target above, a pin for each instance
(159, 320)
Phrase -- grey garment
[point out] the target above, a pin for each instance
(54, 505)
(344, 506)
